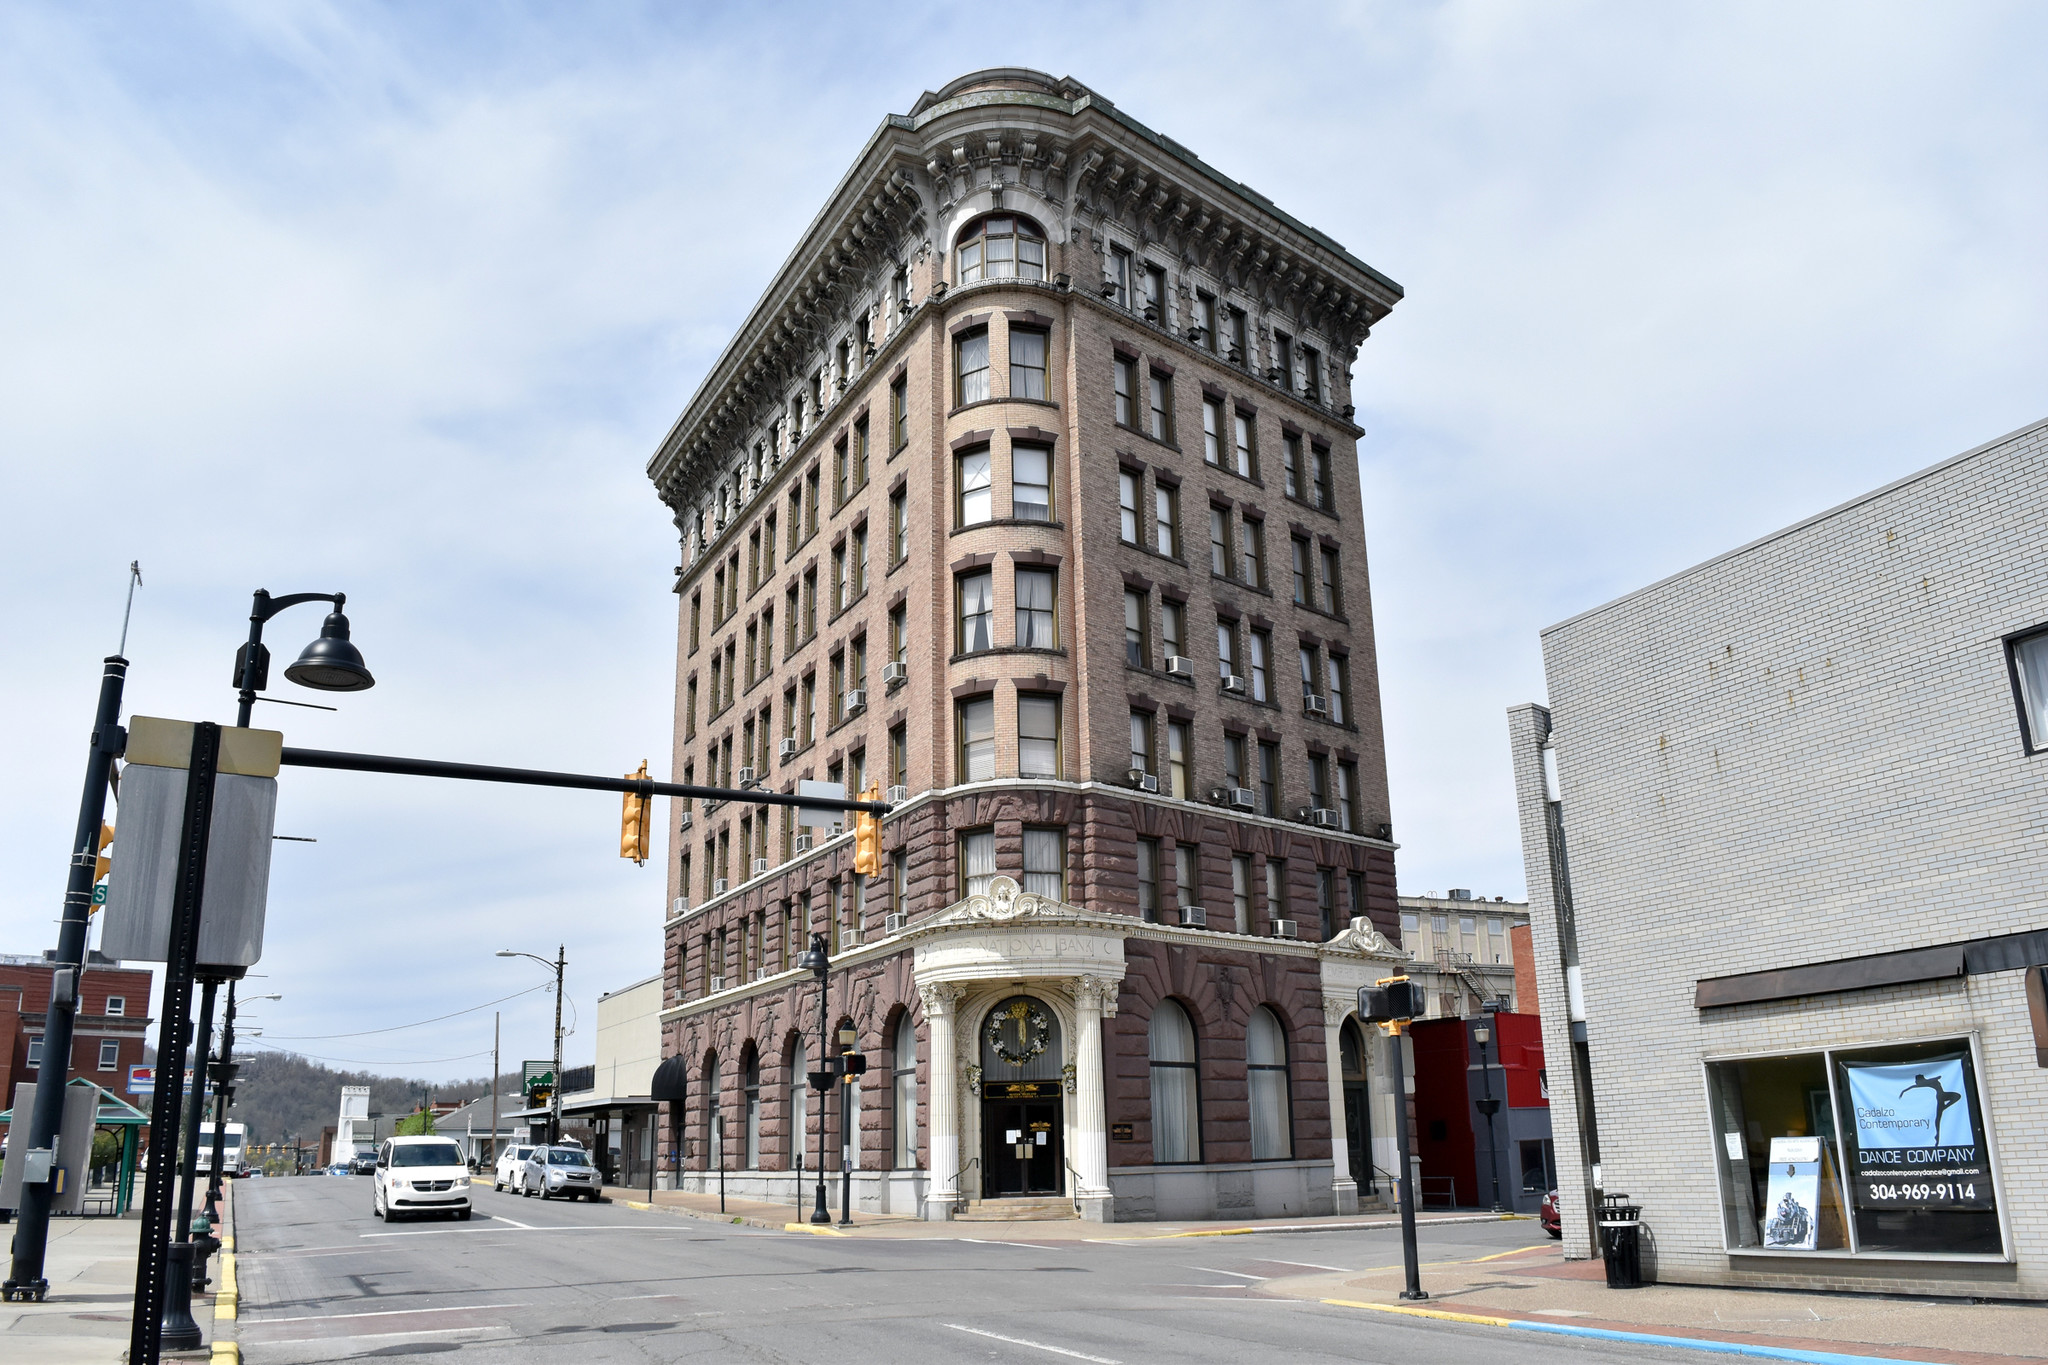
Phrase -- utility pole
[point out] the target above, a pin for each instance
(555, 1095)
(1393, 1003)
(495, 1017)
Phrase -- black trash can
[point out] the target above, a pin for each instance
(1621, 1241)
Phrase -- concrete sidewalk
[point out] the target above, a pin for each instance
(91, 1268)
(1535, 1288)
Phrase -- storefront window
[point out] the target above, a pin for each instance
(1875, 1151)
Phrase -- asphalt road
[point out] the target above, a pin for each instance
(524, 1280)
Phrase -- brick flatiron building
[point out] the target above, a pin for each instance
(1029, 492)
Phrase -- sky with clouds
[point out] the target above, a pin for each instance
(397, 300)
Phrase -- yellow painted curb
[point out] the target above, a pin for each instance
(1422, 1312)
(227, 1299)
(227, 1353)
(636, 1204)
(814, 1231)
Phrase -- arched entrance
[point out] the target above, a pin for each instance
(1022, 1124)
(1357, 1112)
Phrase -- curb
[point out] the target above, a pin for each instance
(1709, 1344)
(1377, 1225)
(227, 1299)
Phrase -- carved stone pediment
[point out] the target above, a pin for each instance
(1362, 940)
(1005, 904)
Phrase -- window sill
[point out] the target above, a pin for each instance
(1000, 651)
(1184, 679)
(1006, 521)
(1308, 506)
(990, 402)
(1252, 478)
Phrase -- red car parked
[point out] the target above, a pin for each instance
(1546, 1215)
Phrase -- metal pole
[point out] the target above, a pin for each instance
(220, 1110)
(159, 1273)
(495, 1017)
(1409, 1260)
(845, 1153)
(1492, 1150)
(555, 1096)
(821, 1214)
(31, 1236)
(188, 1176)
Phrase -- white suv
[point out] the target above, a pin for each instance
(511, 1164)
(418, 1175)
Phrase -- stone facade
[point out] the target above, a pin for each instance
(1801, 813)
(885, 430)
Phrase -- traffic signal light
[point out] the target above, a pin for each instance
(1391, 1003)
(633, 822)
(105, 860)
(867, 836)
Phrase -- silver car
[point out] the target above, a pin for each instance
(567, 1171)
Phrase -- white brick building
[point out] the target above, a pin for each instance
(1826, 753)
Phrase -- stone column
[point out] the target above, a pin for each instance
(1094, 1000)
(1343, 1181)
(942, 1105)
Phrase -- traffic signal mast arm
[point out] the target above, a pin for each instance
(532, 777)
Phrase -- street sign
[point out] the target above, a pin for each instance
(820, 817)
(99, 894)
(142, 1080)
(538, 1082)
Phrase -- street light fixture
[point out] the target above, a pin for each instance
(1489, 1106)
(555, 1093)
(819, 965)
(329, 664)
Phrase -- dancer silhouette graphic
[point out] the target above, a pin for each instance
(1942, 1098)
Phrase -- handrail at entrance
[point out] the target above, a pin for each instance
(971, 1161)
(1077, 1182)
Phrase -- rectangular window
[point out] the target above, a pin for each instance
(116, 1006)
(899, 412)
(690, 710)
(753, 653)
(1173, 635)
(899, 526)
(2029, 662)
(1027, 364)
(977, 612)
(1332, 597)
(1137, 651)
(977, 739)
(1276, 889)
(790, 617)
(768, 547)
(1125, 379)
(1319, 475)
(717, 598)
(753, 561)
(837, 708)
(1238, 349)
(110, 1055)
(1283, 360)
(1226, 648)
(1212, 431)
(1893, 1135)
(839, 597)
(1045, 862)
(860, 561)
(1326, 902)
(1141, 741)
(1160, 419)
(1119, 277)
(1035, 617)
(1261, 645)
(696, 618)
(1148, 880)
(1127, 485)
(1308, 674)
(970, 368)
(1179, 755)
(1187, 882)
(796, 519)
(1300, 551)
(1347, 786)
(717, 667)
(1269, 778)
(1233, 760)
(842, 474)
(788, 714)
(811, 503)
(971, 477)
(1319, 782)
(1290, 458)
(860, 453)
(1255, 553)
(1219, 542)
(1154, 281)
(1166, 520)
(1031, 483)
(899, 756)
(810, 711)
(35, 1052)
(1205, 321)
(1247, 454)
(1355, 887)
(899, 636)
(1311, 374)
(1241, 892)
(1339, 671)
(977, 861)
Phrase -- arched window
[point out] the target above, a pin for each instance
(1176, 1100)
(750, 1072)
(714, 1121)
(799, 1100)
(1266, 1060)
(1001, 246)
(904, 1076)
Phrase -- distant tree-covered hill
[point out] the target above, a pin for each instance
(280, 1095)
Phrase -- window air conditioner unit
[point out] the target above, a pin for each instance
(1324, 818)
(1180, 666)
(1233, 684)
(1143, 781)
(746, 777)
(760, 866)
(788, 749)
(802, 843)
(1243, 798)
(717, 984)
(893, 922)
(896, 793)
(1286, 928)
(856, 701)
(718, 886)
(679, 906)
(1316, 706)
(1194, 917)
(895, 673)
(760, 973)
(685, 823)
(838, 829)
(710, 804)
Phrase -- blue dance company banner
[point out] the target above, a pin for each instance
(1915, 1133)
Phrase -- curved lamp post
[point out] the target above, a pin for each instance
(329, 664)
(819, 965)
(554, 1095)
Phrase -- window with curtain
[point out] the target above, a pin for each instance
(977, 861)
(1027, 364)
(1247, 460)
(1035, 609)
(1038, 736)
(977, 612)
(1148, 880)
(1241, 892)
(977, 739)
(1219, 542)
(1172, 626)
(1178, 745)
(1141, 740)
(751, 1074)
(1166, 520)
(1261, 645)
(1045, 863)
(976, 503)
(1031, 483)
(1124, 375)
(1176, 1089)
(1186, 876)
(1337, 669)
(1159, 418)
(799, 1100)
(1212, 431)
(1127, 505)
(1135, 652)
(1001, 246)
(903, 1093)
(2030, 668)
(970, 368)
(1266, 1061)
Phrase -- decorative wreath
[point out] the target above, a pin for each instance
(1033, 1030)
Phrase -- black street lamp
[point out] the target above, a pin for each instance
(329, 664)
(1489, 1106)
(555, 1093)
(817, 964)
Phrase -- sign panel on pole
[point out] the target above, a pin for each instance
(820, 817)
(142, 1080)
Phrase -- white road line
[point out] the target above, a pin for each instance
(382, 1313)
(992, 1242)
(1309, 1265)
(629, 1298)
(515, 1227)
(510, 1222)
(1212, 1270)
(1034, 1345)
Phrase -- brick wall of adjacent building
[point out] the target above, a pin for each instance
(25, 1005)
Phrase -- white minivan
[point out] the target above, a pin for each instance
(420, 1175)
(511, 1165)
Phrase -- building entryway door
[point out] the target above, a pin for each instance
(1021, 1148)
(1357, 1112)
